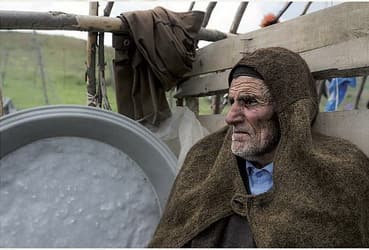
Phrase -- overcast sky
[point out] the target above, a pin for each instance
(221, 18)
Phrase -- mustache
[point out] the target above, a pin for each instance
(241, 130)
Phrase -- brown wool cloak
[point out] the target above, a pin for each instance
(320, 196)
(162, 51)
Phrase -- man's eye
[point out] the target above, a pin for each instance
(248, 101)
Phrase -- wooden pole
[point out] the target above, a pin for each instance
(191, 6)
(306, 8)
(216, 106)
(238, 17)
(63, 21)
(360, 91)
(320, 85)
(209, 11)
(108, 8)
(103, 100)
(282, 11)
(193, 102)
(91, 59)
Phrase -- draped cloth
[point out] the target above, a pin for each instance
(151, 59)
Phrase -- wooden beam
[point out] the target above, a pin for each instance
(345, 59)
(307, 6)
(54, 20)
(238, 17)
(102, 97)
(316, 30)
(192, 4)
(282, 11)
(211, 84)
(91, 59)
(108, 8)
(360, 91)
(209, 11)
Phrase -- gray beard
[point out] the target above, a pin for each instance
(254, 152)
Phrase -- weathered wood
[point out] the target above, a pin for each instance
(91, 60)
(108, 8)
(215, 104)
(343, 124)
(209, 11)
(350, 125)
(54, 20)
(211, 35)
(282, 11)
(339, 60)
(211, 84)
(191, 6)
(348, 58)
(216, 99)
(360, 91)
(320, 85)
(238, 17)
(307, 6)
(103, 100)
(324, 29)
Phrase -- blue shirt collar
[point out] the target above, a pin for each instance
(250, 166)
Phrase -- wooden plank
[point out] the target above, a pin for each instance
(350, 58)
(204, 85)
(91, 46)
(350, 125)
(56, 20)
(323, 28)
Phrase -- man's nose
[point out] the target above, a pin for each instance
(234, 115)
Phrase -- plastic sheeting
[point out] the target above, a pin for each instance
(180, 132)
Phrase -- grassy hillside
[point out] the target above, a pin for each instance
(63, 63)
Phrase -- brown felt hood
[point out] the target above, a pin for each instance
(320, 196)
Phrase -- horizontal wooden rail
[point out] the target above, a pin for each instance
(323, 28)
(54, 20)
(350, 58)
(334, 42)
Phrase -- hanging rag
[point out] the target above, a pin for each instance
(151, 59)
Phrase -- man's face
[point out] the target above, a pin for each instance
(255, 125)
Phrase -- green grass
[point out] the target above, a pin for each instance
(64, 66)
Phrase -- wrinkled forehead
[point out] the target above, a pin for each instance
(248, 85)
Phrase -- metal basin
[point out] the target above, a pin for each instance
(75, 176)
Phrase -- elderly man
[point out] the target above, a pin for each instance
(267, 180)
